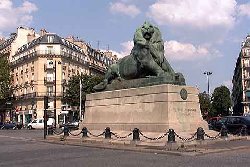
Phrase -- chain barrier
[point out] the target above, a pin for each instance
(240, 132)
(121, 137)
(213, 137)
(96, 135)
(74, 134)
(155, 138)
(186, 139)
(57, 133)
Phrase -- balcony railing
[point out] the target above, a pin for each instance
(98, 68)
(50, 94)
(38, 94)
(49, 80)
(48, 67)
(27, 96)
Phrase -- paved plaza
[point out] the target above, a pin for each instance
(25, 148)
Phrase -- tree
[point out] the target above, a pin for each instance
(72, 95)
(205, 104)
(5, 80)
(221, 101)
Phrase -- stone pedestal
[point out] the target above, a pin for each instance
(151, 109)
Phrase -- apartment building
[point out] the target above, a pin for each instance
(41, 65)
(241, 80)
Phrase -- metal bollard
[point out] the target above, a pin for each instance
(200, 134)
(171, 136)
(84, 132)
(107, 133)
(243, 130)
(136, 135)
(50, 130)
(223, 131)
(66, 131)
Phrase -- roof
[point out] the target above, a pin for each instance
(49, 39)
(8, 41)
(247, 42)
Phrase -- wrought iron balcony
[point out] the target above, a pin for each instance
(49, 80)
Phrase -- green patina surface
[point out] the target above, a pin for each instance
(146, 65)
(140, 82)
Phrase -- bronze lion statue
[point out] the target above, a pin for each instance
(146, 59)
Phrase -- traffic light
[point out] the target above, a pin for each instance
(46, 102)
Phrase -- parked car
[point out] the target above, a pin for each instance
(234, 123)
(1, 124)
(39, 123)
(71, 125)
(212, 122)
(11, 125)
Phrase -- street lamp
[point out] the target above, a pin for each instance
(207, 73)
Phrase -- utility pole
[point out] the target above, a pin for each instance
(208, 73)
(55, 97)
(55, 94)
(45, 116)
(80, 106)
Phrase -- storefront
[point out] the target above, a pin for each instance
(25, 116)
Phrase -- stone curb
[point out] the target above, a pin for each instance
(173, 149)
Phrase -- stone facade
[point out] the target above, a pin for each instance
(152, 109)
(41, 65)
(241, 81)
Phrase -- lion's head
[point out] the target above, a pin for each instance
(147, 30)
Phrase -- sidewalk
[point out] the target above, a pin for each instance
(180, 147)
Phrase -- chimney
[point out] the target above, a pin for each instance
(43, 32)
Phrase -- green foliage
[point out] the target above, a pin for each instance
(72, 95)
(221, 101)
(5, 78)
(205, 104)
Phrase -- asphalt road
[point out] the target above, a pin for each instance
(21, 148)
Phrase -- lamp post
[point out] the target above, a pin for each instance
(208, 73)
(80, 103)
(55, 93)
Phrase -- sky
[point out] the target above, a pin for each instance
(198, 35)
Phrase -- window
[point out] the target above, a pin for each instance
(231, 120)
(50, 50)
(40, 121)
(49, 90)
(50, 39)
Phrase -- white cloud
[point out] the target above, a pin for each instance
(244, 9)
(11, 17)
(176, 51)
(119, 7)
(200, 14)
(126, 49)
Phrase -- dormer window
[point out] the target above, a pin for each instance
(50, 39)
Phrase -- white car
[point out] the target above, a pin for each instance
(39, 123)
